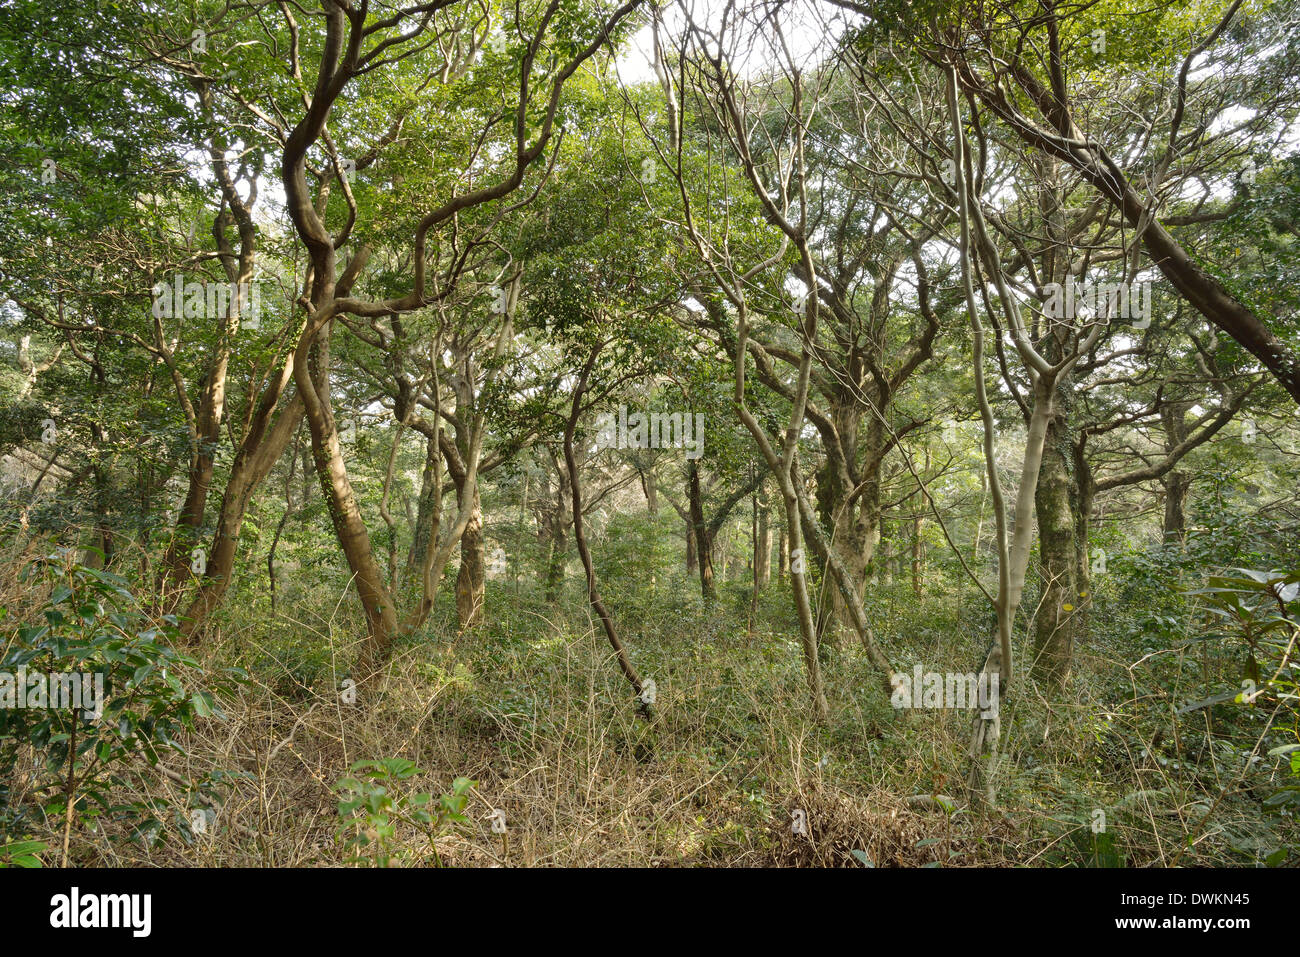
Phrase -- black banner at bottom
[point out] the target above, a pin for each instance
(332, 907)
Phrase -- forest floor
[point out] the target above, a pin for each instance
(532, 708)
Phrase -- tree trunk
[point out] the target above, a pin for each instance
(703, 537)
(692, 553)
(593, 597)
(422, 536)
(1084, 494)
(856, 535)
(473, 568)
(798, 581)
(1175, 523)
(202, 464)
(1054, 629)
(651, 492)
(257, 454)
(753, 564)
(555, 555)
(312, 377)
(721, 551)
(554, 521)
(1173, 417)
(916, 554)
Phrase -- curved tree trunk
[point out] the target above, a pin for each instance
(579, 536)
(258, 453)
(312, 377)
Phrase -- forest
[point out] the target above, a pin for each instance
(649, 433)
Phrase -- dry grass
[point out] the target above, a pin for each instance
(536, 714)
(592, 786)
